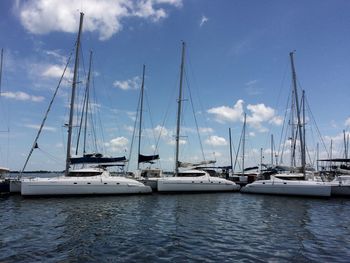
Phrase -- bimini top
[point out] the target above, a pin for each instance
(96, 158)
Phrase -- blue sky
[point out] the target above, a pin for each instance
(237, 61)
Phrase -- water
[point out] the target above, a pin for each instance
(222, 227)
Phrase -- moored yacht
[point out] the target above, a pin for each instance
(86, 180)
(277, 186)
(195, 181)
(190, 180)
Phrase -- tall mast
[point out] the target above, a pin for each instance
(87, 100)
(304, 135)
(2, 56)
(298, 112)
(243, 142)
(229, 131)
(71, 113)
(272, 149)
(179, 102)
(141, 109)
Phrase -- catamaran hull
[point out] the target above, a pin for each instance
(341, 190)
(166, 185)
(288, 188)
(15, 186)
(56, 187)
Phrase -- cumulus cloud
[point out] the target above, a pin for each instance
(22, 96)
(102, 16)
(216, 141)
(118, 144)
(224, 114)
(56, 71)
(258, 114)
(130, 84)
(204, 20)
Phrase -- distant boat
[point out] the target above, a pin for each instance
(290, 183)
(95, 180)
(192, 180)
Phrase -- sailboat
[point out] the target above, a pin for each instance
(288, 183)
(192, 180)
(147, 176)
(95, 180)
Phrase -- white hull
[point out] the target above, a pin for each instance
(195, 184)
(288, 187)
(90, 185)
(341, 185)
(15, 185)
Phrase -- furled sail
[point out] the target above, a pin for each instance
(96, 158)
(148, 158)
(187, 165)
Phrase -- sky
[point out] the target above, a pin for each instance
(236, 62)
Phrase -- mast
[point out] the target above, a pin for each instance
(304, 134)
(71, 113)
(345, 146)
(229, 131)
(179, 102)
(243, 142)
(298, 112)
(272, 149)
(2, 56)
(141, 109)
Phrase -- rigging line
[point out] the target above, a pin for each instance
(239, 147)
(281, 151)
(134, 132)
(166, 114)
(194, 115)
(151, 120)
(51, 156)
(47, 112)
(317, 129)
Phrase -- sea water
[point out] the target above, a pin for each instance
(220, 227)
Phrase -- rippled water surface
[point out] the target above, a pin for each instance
(222, 227)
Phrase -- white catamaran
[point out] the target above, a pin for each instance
(287, 183)
(95, 180)
(191, 180)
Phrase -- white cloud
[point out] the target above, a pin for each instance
(216, 141)
(227, 114)
(347, 122)
(130, 84)
(258, 115)
(22, 96)
(36, 127)
(204, 20)
(118, 144)
(206, 130)
(56, 71)
(102, 16)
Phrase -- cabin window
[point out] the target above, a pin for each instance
(88, 183)
(190, 174)
(84, 173)
(105, 183)
(75, 183)
(263, 182)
